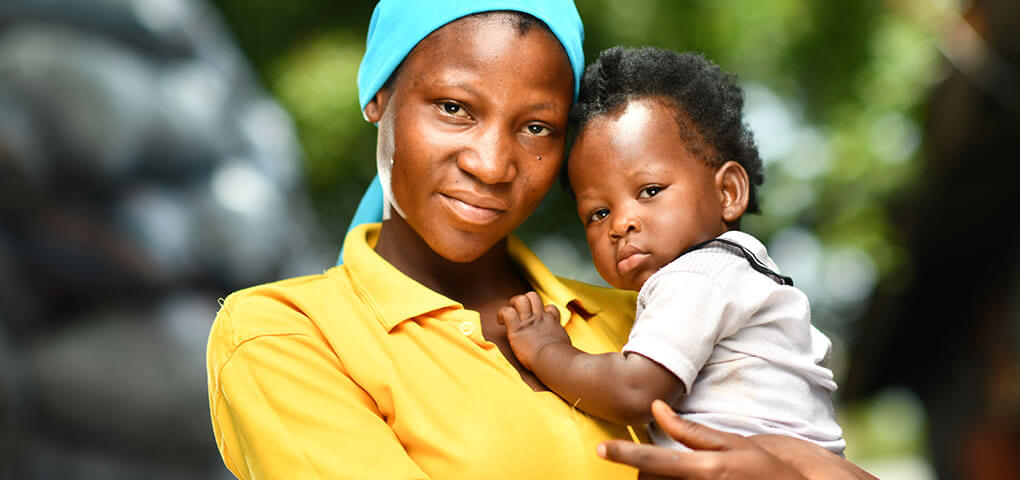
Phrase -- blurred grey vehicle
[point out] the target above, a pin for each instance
(143, 175)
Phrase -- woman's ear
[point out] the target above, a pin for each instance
(734, 189)
(374, 109)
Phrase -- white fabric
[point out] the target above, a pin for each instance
(741, 343)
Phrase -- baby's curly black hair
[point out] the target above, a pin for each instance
(709, 104)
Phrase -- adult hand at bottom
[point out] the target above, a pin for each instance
(715, 454)
(812, 461)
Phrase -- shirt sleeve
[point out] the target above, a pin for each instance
(284, 407)
(684, 316)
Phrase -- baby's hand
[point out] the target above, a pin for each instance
(530, 327)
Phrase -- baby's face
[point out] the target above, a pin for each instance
(642, 197)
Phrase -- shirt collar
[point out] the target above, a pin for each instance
(395, 297)
(546, 284)
(752, 244)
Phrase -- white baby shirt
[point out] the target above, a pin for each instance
(741, 343)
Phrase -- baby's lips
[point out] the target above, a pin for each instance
(628, 250)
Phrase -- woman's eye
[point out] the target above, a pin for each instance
(539, 130)
(649, 192)
(454, 109)
(598, 215)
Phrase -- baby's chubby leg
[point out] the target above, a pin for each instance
(530, 327)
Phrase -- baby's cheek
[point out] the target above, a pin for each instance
(605, 262)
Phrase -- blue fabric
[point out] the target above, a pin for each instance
(398, 25)
(370, 210)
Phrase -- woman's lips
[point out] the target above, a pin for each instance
(469, 210)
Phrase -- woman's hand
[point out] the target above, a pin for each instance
(530, 327)
(809, 459)
(725, 455)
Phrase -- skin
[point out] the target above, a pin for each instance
(472, 158)
(457, 135)
(725, 455)
(643, 199)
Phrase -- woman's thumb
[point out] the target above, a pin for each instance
(691, 434)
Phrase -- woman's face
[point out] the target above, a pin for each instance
(474, 124)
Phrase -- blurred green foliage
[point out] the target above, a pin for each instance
(835, 93)
(836, 87)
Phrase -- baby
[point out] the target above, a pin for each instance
(662, 168)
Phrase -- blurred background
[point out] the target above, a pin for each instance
(157, 154)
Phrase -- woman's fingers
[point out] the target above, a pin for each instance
(716, 455)
(694, 435)
(651, 460)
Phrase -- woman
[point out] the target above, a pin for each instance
(392, 365)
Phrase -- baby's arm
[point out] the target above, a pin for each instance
(613, 386)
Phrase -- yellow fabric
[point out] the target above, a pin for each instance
(361, 372)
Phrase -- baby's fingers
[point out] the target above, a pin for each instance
(507, 316)
(552, 313)
(534, 303)
(522, 304)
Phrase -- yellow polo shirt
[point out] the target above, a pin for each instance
(363, 373)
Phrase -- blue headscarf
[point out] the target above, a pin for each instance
(398, 25)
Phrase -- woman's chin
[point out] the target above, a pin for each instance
(464, 247)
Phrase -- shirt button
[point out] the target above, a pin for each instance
(467, 328)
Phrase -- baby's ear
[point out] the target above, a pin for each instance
(734, 190)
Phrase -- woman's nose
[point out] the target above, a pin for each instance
(489, 158)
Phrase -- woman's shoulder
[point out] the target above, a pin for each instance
(293, 306)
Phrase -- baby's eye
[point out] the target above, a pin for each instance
(598, 215)
(649, 191)
(538, 130)
(454, 109)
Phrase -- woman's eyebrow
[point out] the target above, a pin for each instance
(462, 86)
(467, 88)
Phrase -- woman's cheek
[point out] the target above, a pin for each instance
(536, 188)
(546, 170)
(412, 162)
(384, 166)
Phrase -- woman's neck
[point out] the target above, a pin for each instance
(492, 276)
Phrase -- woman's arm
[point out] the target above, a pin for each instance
(613, 386)
(725, 455)
(283, 407)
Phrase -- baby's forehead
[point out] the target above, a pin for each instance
(623, 107)
(634, 125)
(653, 125)
(638, 119)
(619, 172)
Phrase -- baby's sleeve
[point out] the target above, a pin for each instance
(683, 316)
